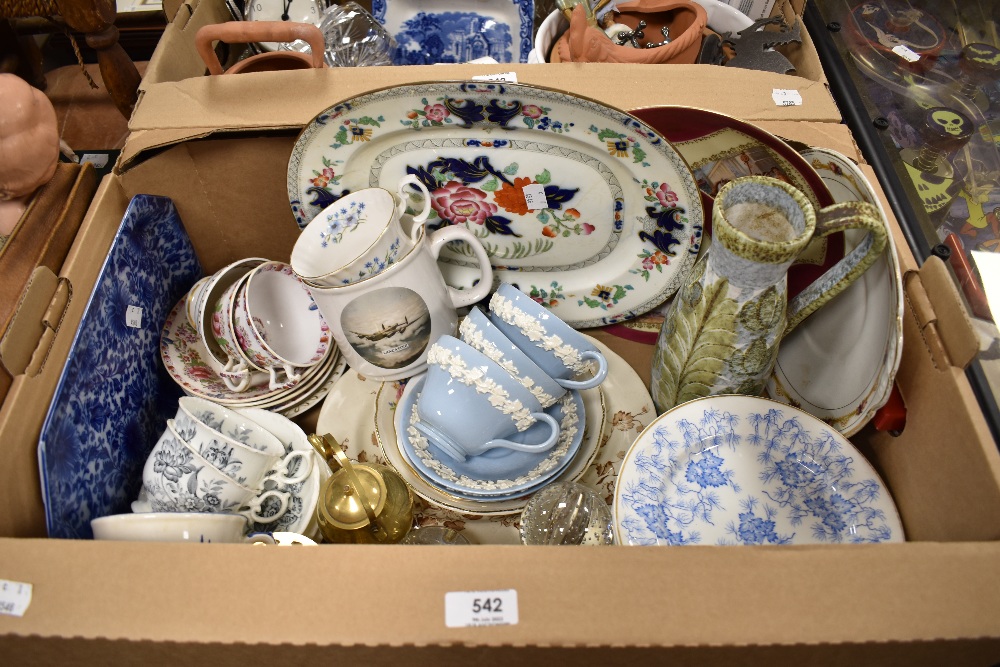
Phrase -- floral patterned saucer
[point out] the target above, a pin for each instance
(497, 473)
(581, 205)
(428, 32)
(744, 470)
(349, 414)
(840, 363)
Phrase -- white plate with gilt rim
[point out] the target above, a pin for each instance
(348, 413)
(616, 221)
(840, 363)
(731, 469)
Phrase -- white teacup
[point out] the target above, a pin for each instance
(238, 370)
(235, 444)
(210, 294)
(176, 527)
(193, 298)
(358, 236)
(384, 324)
(178, 479)
(469, 404)
(277, 324)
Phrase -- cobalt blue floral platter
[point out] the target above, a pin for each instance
(744, 470)
(113, 399)
(582, 206)
(429, 32)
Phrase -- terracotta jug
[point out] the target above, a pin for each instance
(248, 32)
(685, 20)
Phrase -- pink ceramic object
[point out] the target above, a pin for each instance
(685, 18)
(29, 146)
(242, 32)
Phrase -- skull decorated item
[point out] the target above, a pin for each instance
(952, 122)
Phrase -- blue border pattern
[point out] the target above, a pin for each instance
(113, 398)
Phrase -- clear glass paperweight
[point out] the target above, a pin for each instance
(439, 535)
(353, 38)
(567, 513)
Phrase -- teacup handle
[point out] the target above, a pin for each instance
(233, 370)
(590, 383)
(439, 239)
(404, 195)
(837, 218)
(290, 376)
(259, 538)
(252, 511)
(279, 473)
(460, 452)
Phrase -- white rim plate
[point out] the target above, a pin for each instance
(745, 470)
(840, 363)
(619, 221)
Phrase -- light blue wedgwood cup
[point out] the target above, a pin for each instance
(556, 347)
(478, 331)
(469, 404)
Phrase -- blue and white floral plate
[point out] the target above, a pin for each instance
(113, 398)
(580, 205)
(497, 473)
(429, 32)
(746, 470)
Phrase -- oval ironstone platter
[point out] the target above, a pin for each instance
(582, 206)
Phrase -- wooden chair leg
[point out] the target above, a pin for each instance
(96, 20)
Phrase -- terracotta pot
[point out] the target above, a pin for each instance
(684, 18)
(245, 32)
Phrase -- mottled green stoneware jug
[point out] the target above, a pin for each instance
(722, 331)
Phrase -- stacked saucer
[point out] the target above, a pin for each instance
(251, 336)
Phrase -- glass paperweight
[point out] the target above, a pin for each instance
(567, 513)
(439, 535)
(353, 38)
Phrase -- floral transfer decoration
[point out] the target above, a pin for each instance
(605, 190)
(740, 470)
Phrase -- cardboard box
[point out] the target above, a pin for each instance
(176, 58)
(221, 151)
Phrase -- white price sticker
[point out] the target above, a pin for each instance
(470, 609)
(133, 317)
(14, 597)
(99, 160)
(906, 53)
(534, 196)
(508, 77)
(784, 97)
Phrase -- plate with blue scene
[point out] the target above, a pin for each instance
(429, 32)
(582, 206)
(726, 470)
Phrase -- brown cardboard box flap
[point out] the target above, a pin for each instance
(936, 304)
(261, 101)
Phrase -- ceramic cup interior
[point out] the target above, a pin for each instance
(470, 404)
(210, 294)
(557, 348)
(284, 320)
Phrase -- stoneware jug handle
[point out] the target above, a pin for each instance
(837, 218)
(478, 292)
